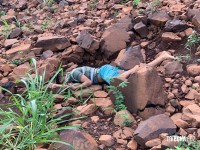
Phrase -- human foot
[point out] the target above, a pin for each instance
(165, 55)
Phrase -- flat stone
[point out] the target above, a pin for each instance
(9, 42)
(152, 143)
(47, 54)
(132, 145)
(87, 109)
(79, 139)
(100, 94)
(54, 43)
(152, 128)
(170, 36)
(23, 48)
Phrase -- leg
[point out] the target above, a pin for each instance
(164, 55)
(127, 73)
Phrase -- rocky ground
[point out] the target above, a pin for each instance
(160, 102)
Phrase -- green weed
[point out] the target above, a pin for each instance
(136, 2)
(2, 13)
(46, 24)
(119, 97)
(6, 30)
(192, 41)
(183, 58)
(127, 122)
(34, 123)
(187, 145)
(48, 2)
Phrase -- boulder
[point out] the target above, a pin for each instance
(193, 113)
(175, 25)
(141, 29)
(129, 58)
(100, 94)
(79, 139)
(87, 42)
(87, 109)
(193, 69)
(145, 87)
(158, 18)
(116, 37)
(54, 43)
(153, 127)
(173, 67)
(21, 70)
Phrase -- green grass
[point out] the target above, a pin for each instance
(6, 30)
(187, 145)
(192, 41)
(136, 2)
(34, 123)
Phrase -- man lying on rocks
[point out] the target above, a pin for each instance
(87, 76)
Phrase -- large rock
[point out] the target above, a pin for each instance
(54, 43)
(86, 41)
(192, 112)
(175, 25)
(196, 20)
(116, 37)
(80, 140)
(158, 18)
(145, 87)
(153, 127)
(130, 57)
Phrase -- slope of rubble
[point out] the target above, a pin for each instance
(70, 33)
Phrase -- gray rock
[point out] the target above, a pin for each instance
(153, 127)
(130, 57)
(176, 25)
(80, 140)
(141, 29)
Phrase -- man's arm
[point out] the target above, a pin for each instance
(85, 82)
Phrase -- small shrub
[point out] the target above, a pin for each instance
(119, 97)
(127, 122)
(192, 41)
(6, 30)
(187, 145)
(136, 2)
(34, 123)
